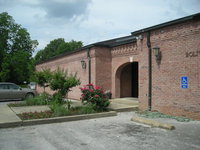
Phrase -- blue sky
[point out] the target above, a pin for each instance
(91, 21)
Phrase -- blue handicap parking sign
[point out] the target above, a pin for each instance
(184, 82)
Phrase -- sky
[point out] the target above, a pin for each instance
(92, 21)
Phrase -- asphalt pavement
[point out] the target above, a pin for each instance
(112, 133)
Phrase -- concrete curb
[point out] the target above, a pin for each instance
(57, 119)
(153, 123)
(68, 118)
(11, 124)
(127, 109)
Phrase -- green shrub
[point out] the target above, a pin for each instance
(23, 86)
(94, 95)
(62, 82)
(43, 77)
(87, 109)
(42, 99)
(58, 109)
(57, 98)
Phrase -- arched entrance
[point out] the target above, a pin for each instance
(127, 80)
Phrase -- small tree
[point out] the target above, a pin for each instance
(62, 82)
(43, 78)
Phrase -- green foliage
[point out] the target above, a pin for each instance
(87, 109)
(59, 81)
(58, 109)
(16, 48)
(57, 98)
(94, 95)
(148, 114)
(43, 77)
(61, 110)
(43, 99)
(57, 47)
(62, 82)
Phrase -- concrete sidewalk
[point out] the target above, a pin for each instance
(124, 104)
(8, 118)
(117, 104)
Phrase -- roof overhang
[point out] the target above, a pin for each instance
(170, 23)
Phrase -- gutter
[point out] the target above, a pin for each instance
(169, 23)
(149, 71)
(89, 65)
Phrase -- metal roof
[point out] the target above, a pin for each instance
(126, 39)
(117, 41)
(173, 22)
(107, 43)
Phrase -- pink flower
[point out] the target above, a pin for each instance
(96, 96)
(82, 95)
(83, 89)
(97, 87)
(91, 90)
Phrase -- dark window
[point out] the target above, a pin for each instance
(13, 86)
(3, 86)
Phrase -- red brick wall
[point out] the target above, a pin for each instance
(175, 43)
(71, 63)
(103, 67)
(121, 57)
(167, 96)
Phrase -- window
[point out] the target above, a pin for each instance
(13, 86)
(3, 86)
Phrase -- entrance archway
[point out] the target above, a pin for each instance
(127, 80)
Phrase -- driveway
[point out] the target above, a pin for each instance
(111, 133)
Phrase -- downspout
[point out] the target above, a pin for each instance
(89, 66)
(149, 71)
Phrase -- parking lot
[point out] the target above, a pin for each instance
(111, 133)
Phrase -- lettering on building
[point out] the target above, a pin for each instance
(192, 54)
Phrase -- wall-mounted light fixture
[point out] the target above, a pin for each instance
(83, 64)
(140, 37)
(157, 52)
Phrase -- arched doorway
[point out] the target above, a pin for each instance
(127, 80)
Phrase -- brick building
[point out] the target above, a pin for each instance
(160, 65)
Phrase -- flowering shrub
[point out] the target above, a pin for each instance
(94, 95)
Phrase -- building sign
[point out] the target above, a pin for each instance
(184, 82)
(192, 54)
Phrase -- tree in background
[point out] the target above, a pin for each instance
(16, 49)
(57, 47)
